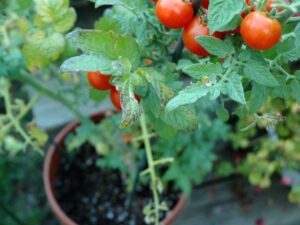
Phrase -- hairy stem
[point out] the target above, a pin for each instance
(151, 167)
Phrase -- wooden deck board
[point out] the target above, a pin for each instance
(218, 205)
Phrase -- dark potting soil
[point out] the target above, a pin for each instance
(94, 196)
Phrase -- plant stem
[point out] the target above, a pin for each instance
(15, 123)
(23, 113)
(36, 84)
(262, 5)
(141, 138)
(293, 19)
(196, 6)
(286, 14)
(178, 51)
(151, 167)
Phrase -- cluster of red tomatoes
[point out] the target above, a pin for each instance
(101, 82)
(258, 30)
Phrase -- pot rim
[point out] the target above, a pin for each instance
(52, 151)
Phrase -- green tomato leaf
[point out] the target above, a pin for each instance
(260, 73)
(200, 70)
(131, 110)
(182, 118)
(187, 96)
(222, 113)
(109, 24)
(41, 50)
(34, 57)
(152, 104)
(235, 89)
(66, 22)
(225, 169)
(259, 95)
(122, 66)
(224, 15)
(297, 41)
(161, 128)
(40, 138)
(108, 44)
(294, 194)
(99, 3)
(137, 4)
(87, 63)
(295, 88)
(56, 12)
(163, 92)
(50, 10)
(216, 46)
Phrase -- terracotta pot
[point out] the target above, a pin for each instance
(50, 169)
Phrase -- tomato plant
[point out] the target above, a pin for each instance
(241, 73)
(32, 41)
(234, 70)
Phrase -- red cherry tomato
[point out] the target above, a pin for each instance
(99, 81)
(259, 31)
(174, 13)
(193, 29)
(116, 98)
(205, 4)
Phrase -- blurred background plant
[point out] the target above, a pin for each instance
(22, 200)
(32, 47)
(270, 147)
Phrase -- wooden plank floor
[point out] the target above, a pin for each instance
(219, 205)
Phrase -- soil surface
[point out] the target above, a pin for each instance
(94, 196)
